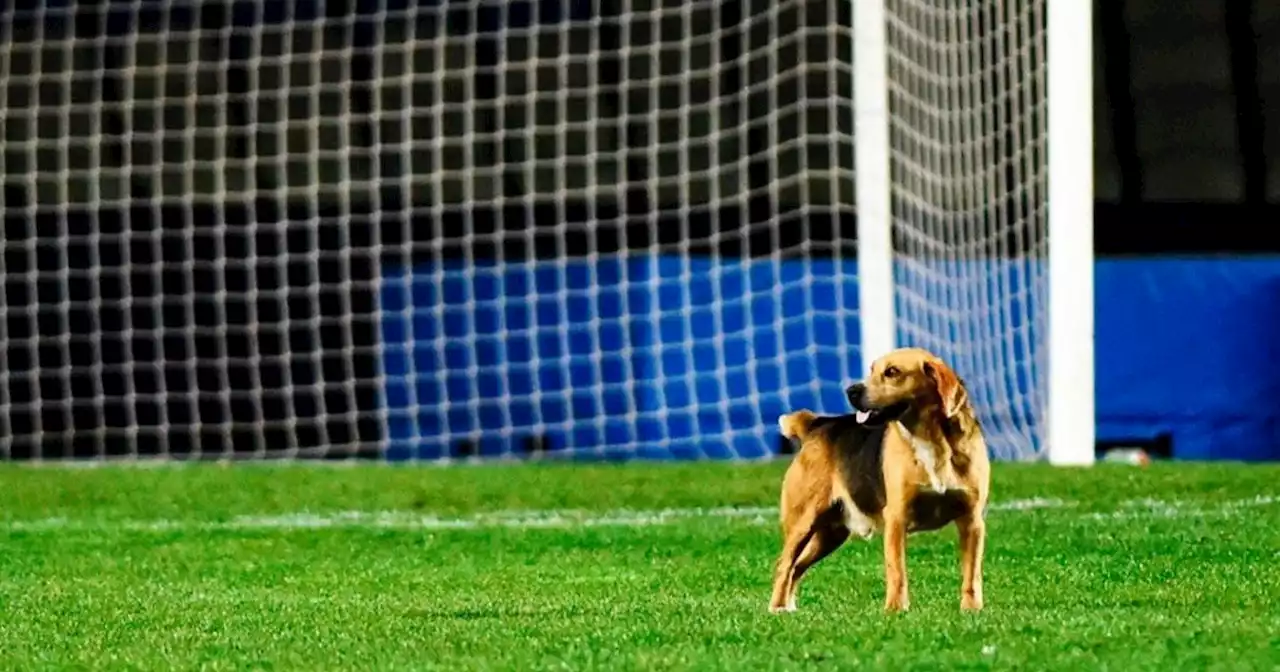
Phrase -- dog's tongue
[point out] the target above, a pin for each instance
(862, 416)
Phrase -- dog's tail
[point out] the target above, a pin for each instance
(796, 425)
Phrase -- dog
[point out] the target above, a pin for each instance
(911, 458)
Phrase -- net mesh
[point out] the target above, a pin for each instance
(276, 229)
(968, 131)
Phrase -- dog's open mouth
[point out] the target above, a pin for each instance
(874, 416)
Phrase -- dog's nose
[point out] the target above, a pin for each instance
(854, 394)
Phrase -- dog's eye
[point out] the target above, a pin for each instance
(891, 372)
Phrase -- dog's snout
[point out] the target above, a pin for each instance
(856, 394)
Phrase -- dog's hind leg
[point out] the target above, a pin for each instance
(824, 540)
(784, 571)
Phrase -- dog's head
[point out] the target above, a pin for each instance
(907, 379)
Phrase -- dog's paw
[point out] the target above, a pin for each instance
(784, 609)
(894, 606)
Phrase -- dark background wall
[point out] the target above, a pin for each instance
(1187, 121)
(158, 158)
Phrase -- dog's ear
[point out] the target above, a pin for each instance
(950, 390)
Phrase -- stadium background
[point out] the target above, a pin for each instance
(1185, 220)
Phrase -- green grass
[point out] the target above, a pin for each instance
(1173, 567)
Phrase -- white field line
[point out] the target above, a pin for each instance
(570, 518)
(1155, 508)
(405, 520)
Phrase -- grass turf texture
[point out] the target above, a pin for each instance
(1172, 567)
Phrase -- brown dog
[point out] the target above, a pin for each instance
(911, 459)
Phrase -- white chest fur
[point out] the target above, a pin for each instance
(932, 458)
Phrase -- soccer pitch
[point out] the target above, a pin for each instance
(617, 567)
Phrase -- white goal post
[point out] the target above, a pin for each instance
(975, 141)
(1071, 411)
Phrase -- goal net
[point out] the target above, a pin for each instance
(434, 230)
(968, 132)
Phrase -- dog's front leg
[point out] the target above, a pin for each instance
(895, 564)
(973, 534)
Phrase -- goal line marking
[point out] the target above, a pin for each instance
(568, 518)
